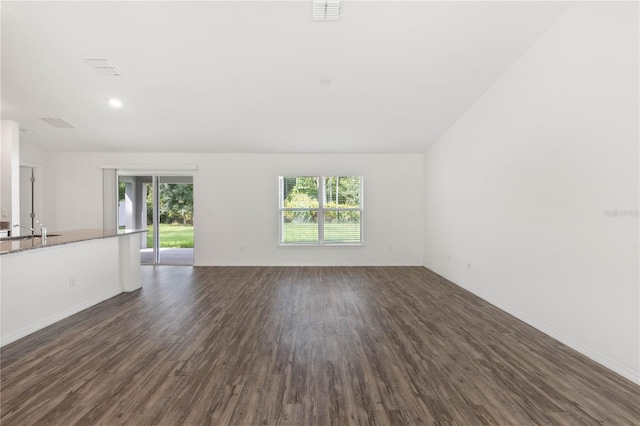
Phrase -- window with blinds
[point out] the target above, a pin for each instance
(320, 210)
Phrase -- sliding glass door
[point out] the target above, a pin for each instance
(164, 206)
(175, 220)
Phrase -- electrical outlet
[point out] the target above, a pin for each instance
(73, 281)
(468, 266)
(4, 213)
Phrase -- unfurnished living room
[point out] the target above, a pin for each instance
(320, 213)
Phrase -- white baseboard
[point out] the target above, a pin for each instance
(300, 264)
(5, 340)
(591, 353)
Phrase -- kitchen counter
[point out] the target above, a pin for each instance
(63, 237)
(42, 284)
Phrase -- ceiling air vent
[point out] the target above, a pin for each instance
(57, 122)
(102, 66)
(326, 10)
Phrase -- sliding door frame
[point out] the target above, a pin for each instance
(156, 219)
(155, 175)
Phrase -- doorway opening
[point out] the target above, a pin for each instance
(164, 206)
(30, 205)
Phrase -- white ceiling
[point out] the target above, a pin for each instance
(248, 76)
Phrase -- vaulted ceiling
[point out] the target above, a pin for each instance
(243, 76)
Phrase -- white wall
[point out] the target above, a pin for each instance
(32, 154)
(9, 171)
(41, 287)
(236, 204)
(519, 191)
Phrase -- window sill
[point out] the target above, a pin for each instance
(321, 245)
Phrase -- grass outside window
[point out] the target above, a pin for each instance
(172, 236)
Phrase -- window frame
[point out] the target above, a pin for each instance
(321, 209)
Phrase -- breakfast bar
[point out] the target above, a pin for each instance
(45, 280)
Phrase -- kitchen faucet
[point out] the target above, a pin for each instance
(43, 231)
(33, 231)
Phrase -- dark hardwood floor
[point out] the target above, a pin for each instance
(303, 346)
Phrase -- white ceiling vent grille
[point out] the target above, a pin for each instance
(102, 66)
(57, 122)
(326, 10)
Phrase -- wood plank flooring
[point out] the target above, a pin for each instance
(303, 346)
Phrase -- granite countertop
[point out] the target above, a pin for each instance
(8, 246)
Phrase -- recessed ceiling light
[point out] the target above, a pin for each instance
(325, 81)
(115, 103)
